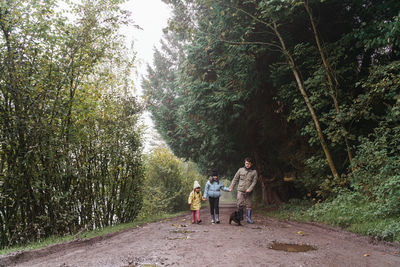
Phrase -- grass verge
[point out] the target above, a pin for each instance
(89, 234)
(354, 217)
(294, 211)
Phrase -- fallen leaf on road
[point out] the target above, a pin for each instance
(179, 225)
(366, 255)
(182, 231)
(300, 233)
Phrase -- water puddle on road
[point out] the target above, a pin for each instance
(291, 247)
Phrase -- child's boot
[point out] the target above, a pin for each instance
(217, 218)
(212, 219)
(248, 216)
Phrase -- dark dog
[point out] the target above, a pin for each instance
(235, 217)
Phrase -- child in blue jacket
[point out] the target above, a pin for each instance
(212, 191)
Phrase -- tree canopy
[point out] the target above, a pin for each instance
(69, 133)
(301, 86)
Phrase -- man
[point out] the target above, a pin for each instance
(246, 178)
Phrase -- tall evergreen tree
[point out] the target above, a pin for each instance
(278, 80)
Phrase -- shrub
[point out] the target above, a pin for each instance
(168, 182)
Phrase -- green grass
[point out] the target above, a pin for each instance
(355, 217)
(381, 228)
(295, 210)
(88, 234)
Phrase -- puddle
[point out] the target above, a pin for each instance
(291, 247)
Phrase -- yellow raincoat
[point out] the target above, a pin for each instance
(194, 200)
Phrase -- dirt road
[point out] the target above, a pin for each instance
(177, 242)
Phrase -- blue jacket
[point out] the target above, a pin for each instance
(213, 189)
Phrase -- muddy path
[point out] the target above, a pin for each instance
(177, 242)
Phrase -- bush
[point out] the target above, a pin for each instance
(168, 182)
(377, 168)
(356, 212)
(388, 230)
(347, 208)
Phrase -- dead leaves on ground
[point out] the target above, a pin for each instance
(179, 225)
(180, 231)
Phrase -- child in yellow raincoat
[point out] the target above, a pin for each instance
(194, 201)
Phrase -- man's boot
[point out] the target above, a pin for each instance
(212, 219)
(248, 216)
(217, 218)
(241, 213)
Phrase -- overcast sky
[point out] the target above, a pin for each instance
(152, 16)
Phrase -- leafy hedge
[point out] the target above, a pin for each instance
(168, 182)
(70, 140)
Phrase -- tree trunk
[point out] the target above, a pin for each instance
(268, 194)
(271, 196)
(300, 85)
(330, 75)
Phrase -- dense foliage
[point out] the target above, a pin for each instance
(70, 143)
(168, 182)
(309, 89)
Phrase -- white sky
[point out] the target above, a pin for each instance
(152, 16)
